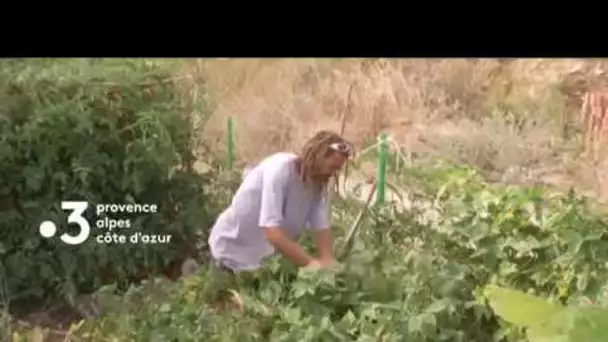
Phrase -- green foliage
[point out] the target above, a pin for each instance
(403, 281)
(369, 298)
(102, 131)
(545, 321)
(554, 247)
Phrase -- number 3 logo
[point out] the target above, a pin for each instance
(76, 217)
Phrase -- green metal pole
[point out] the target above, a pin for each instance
(230, 143)
(381, 168)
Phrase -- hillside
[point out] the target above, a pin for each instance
(517, 119)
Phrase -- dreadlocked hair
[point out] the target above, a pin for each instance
(313, 151)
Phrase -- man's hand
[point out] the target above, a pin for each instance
(327, 263)
(313, 265)
(330, 263)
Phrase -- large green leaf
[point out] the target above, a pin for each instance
(590, 325)
(520, 308)
(546, 322)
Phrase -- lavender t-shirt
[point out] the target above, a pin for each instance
(271, 195)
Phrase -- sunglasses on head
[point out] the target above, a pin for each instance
(342, 148)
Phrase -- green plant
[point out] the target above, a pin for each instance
(102, 131)
(546, 321)
(404, 279)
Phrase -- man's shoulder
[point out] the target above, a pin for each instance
(278, 163)
(279, 159)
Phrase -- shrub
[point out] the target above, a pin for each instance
(403, 281)
(545, 321)
(101, 131)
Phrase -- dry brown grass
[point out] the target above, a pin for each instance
(501, 115)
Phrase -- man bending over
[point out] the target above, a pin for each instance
(278, 198)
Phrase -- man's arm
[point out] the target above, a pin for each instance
(319, 223)
(271, 216)
(292, 250)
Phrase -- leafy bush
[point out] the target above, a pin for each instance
(554, 247)
(403, 281)
(373, 297)
(102, 131)
(546, 321)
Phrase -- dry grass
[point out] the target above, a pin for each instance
(500, 115)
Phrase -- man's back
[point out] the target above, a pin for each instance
(270, 195)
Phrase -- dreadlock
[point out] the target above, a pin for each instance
(313, 151)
